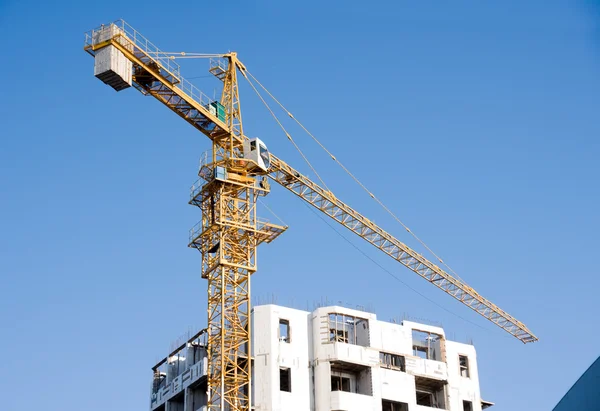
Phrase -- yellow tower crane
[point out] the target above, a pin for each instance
(233, 178)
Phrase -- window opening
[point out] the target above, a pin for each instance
(392, 361)
(349, 378)
(348, 329)
(284, 330)
(429, 395)
(463, 362)
(427, 345)
(424, 398)
(285, 380)
(340, 383)
(420, 352)
(467, 406)
(387, 405)
(264, 154)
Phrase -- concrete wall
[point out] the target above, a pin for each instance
(393, 338)
(346, 401)
(461, 388)
(271, 354)
(397, 386)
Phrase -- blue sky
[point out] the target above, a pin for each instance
(476, 123)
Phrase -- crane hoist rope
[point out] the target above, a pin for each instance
(343, 236)
(334, 158)
(328, 195)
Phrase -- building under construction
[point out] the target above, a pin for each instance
(333, 358)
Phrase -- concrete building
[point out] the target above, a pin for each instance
(333, 359)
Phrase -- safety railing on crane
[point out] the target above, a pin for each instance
(262, 225)
(165, 60)
(195, 232)
(207, 173)
(120, 27)
(218, 67)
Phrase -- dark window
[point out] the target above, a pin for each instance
(467, 406)
(339, 383)
(284, 331)
(463, 362)
(393, 406)
(253, 145)
(425, 398)
(285, 380)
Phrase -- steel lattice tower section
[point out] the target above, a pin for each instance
(227, 237)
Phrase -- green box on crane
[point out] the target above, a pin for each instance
(220, 109)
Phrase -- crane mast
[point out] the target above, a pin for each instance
(227, 239)
(230, 231)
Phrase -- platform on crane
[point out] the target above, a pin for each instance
(218, 68)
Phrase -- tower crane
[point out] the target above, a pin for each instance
(233, 178)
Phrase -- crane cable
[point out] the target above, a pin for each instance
(272, 212)
(289, 137)
(346, 170)
(184, 55)
(329, 224)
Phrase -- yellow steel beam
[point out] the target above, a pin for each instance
(326, 202)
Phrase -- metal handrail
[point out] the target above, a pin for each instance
(166, 61)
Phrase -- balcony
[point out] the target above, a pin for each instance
(427, 368)
(187, 378)
(348, 401)
(423, 408)
(349, 353)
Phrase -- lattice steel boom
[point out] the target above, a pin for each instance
(230, 231)
(326, 202)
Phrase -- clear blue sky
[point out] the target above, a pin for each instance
(477, 124)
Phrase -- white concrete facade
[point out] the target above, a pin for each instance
(339, 359)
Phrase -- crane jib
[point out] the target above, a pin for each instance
(326, 202)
